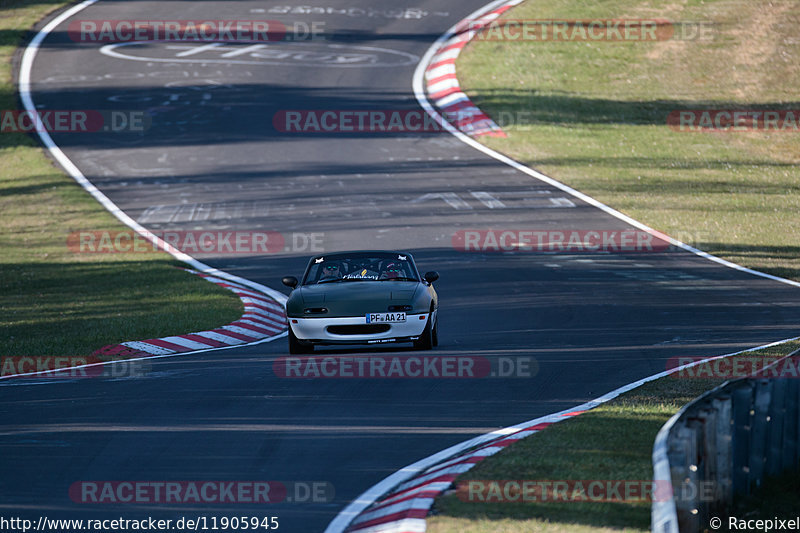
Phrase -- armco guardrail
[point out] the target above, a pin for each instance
(722, 445)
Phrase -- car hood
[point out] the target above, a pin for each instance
(352, 298)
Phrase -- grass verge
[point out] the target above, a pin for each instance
(593, 115)
(54, 301)
(611, 442)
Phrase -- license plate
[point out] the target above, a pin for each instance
(385, 318)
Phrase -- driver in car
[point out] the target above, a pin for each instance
(332, 271)
(392, 270)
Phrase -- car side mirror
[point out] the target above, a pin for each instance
(431, 276)
(290, 281)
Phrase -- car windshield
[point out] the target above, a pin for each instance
(370, 266)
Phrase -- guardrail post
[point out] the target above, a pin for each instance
(723, 482)
(686, 502)
(707, 460)
(791, 427)
(776, 418)
(742, 398)
(760, 431)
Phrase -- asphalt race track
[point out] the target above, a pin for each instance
(213, 159)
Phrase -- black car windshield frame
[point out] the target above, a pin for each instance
(312, 277)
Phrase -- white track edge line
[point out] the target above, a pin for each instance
(343, 519)
(24, 86)
(145, 358)
(371, 495)
(419, 92)
(27, 101)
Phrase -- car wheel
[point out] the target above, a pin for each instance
(435, 335)
(296, 346)
(425, 341)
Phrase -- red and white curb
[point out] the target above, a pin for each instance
(263, 318)
(430, 101)
(403, 510)
(401, 502)
(442, 83)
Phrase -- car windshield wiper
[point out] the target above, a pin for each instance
(399, 278)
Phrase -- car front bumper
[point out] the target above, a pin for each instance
(318, 330)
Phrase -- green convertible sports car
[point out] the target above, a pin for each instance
(366, 297)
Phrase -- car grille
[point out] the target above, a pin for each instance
(358, 329)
